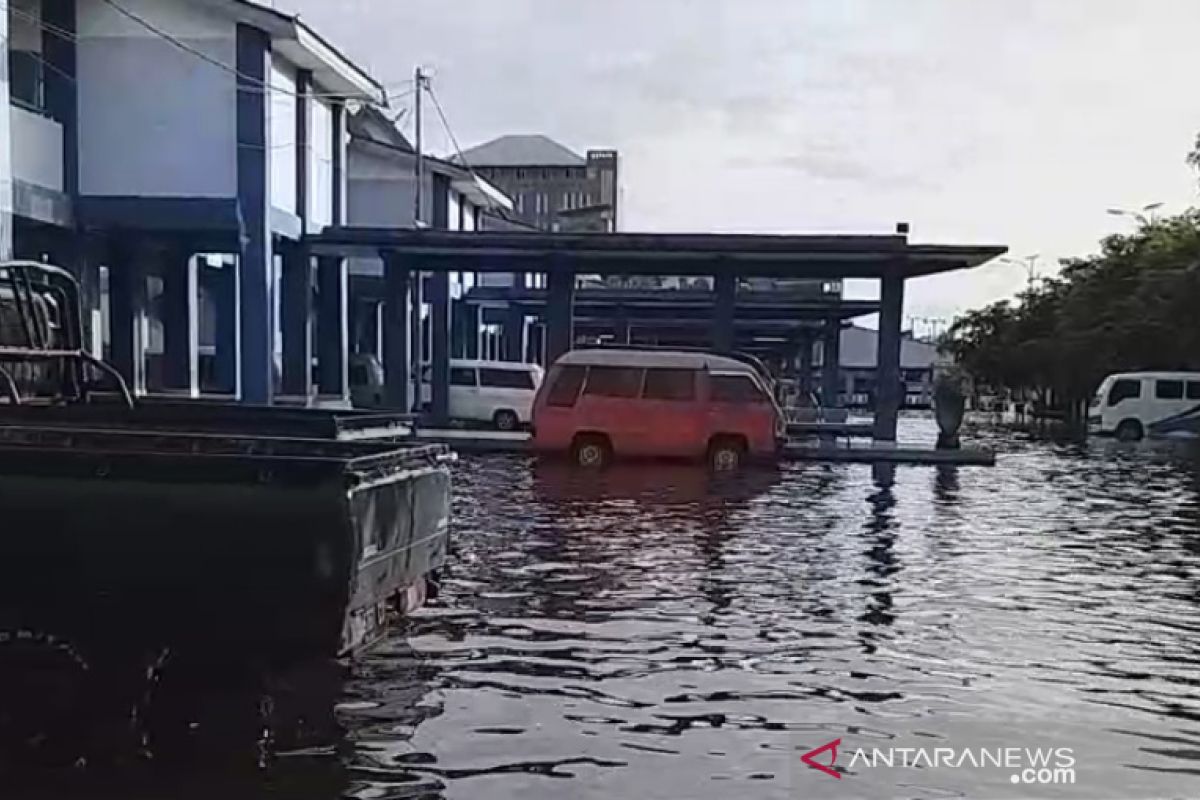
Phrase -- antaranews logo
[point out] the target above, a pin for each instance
(810, 758)
(1026, 765)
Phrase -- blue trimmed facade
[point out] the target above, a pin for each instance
(183, 209)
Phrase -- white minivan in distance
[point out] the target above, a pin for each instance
(1133, 405)
(497, 392)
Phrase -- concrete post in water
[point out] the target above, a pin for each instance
(296, 291)
(888, 386)
(180, 323)
(949, 404)
(560, 311)
(396, 329)
(831, 363)
(724, 305)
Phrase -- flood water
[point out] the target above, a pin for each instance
(651, 633)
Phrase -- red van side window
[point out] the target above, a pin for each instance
(735, 389)
(670, 384)
(614, 382)
(566, 387)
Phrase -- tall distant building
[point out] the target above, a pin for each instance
(552, 187)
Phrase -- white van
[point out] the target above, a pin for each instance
(499, 392)
(1132, 405)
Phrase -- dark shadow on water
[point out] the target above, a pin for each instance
(652, 483)
(115, 726)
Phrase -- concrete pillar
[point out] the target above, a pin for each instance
(724, 307)
(513, 336)
(333, 335)
(295, 308)
(256, 263)
(887, 367)
(127, 315)
(396, 329)
(560, 312)
(439, 299)
(831, 357)
(181, 323)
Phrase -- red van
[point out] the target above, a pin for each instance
(599, 404)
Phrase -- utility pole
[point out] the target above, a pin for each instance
(421, 81)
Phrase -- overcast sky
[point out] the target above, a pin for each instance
(1015, 122)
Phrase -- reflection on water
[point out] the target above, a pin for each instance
(652, 632)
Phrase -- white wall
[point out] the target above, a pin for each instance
(320, 166)
(37, 149)
(282, 136)
(154, 120)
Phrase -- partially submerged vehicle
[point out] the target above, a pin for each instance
(601, 404)
(1133, 405)
(253, 533)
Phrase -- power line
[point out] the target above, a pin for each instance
(453, 139)
(257, 85)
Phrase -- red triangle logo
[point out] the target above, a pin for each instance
(810, 758)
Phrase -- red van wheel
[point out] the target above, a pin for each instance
(591, 452)
(726, 455)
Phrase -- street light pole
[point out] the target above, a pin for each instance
(1144, 216)
(1029, 264)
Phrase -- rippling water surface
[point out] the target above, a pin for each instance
(652, 633)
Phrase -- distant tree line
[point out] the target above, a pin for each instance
(1133, 306)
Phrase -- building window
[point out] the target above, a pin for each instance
(27, 76)
(1193, 390)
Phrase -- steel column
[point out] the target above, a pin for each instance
(180, 323)
(439, 299)
(127, 310)
(396, 328)
(296, 309)
(831, 367)
(560, 312)
(333, 335)
(222, 288)
(256, 267)
(804, 366)
(724, 306)
(513, 335)
(887, 369)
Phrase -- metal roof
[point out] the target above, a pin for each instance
(807, 256)
(532, 150)
(649, 358)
